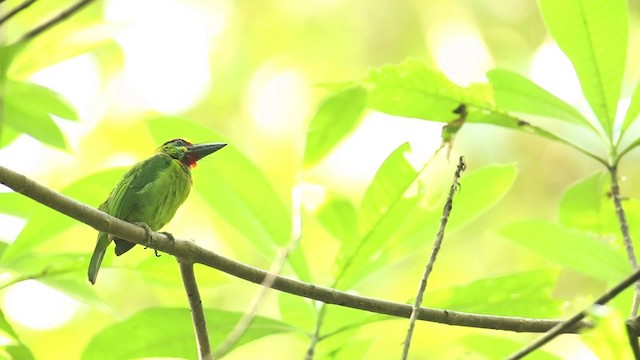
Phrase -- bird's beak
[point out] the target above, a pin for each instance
(198, 151)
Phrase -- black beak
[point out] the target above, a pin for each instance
(198, 151)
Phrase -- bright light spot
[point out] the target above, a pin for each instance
(166, 52)
(460, 53)
(313, 195)
(360, 155)
(6, 339)
(118, 160)
(552, 70)
(33, 155)
(10, 227)
(37, 306)
(278, 99)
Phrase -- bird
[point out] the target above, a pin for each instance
(150, 193)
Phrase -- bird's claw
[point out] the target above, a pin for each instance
(170, 236)
(150, 237)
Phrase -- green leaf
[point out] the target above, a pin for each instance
(336, 116)
(593, 34)
(585, 206)
(168, 332)
(39, 99)
(63, 44)
(494, 347)
(572, 250)
(16, 204)
(608, 340)
(34, 123)
(16, 349)
(385, 206)
(634, 109)
(525, 294)
(7, 134)
(339, 217)
(45, 223)
(411, 89)
(297, 311)
(480, 190)
(514, 92)
(237, 190)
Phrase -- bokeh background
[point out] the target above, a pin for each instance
(251, 70)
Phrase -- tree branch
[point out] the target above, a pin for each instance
(432, 259)
(626, 237)
(197, 313)
(569, 323)
(13, 12)
(55, 20)
(184, 249)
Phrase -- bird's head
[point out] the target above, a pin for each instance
(188, 153)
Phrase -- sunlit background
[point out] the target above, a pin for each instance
(250, 69)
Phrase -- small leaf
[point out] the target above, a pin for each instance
(634, 109)
(494, 347)
(7, 134)
(514, 92)
(383, 210)
(585, 205)
(168, 332)
(339, 217)
(40, 99)
(34, 123)
(569, 249)
(593, 34)
(336, 116)
(16, 349)
(520, 294)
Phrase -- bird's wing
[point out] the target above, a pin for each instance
(123, 199)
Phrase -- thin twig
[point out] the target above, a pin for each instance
(434, 254)
(563, 326)
(185, 249)
(626, 237)
(55, 20)
(197, 313)
(315, 337)
(631, 326)
(244, 323)
(13, 12)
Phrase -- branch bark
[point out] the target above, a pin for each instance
(183, 249)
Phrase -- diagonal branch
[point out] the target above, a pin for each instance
(432, 259)
(184, 249)
(13, 12)
(63, 15)
(569, 323)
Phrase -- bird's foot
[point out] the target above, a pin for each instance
(170, 236)
(150, 238)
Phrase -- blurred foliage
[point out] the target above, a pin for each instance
(505, 248)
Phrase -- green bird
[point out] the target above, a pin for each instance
(150, 193)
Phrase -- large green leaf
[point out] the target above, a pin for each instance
(383, 210)
(336, 116)
(45, 223)
(15, 349)
(16, 204)
(168, 332)
(570, 249)
(7, 134)
(514, 92)
(237, 190)
(38, 98)
(480, 190)
(522, 294)
(585, 205)
(413, 90)
(593, 34)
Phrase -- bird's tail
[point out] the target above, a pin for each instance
(98, 254)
